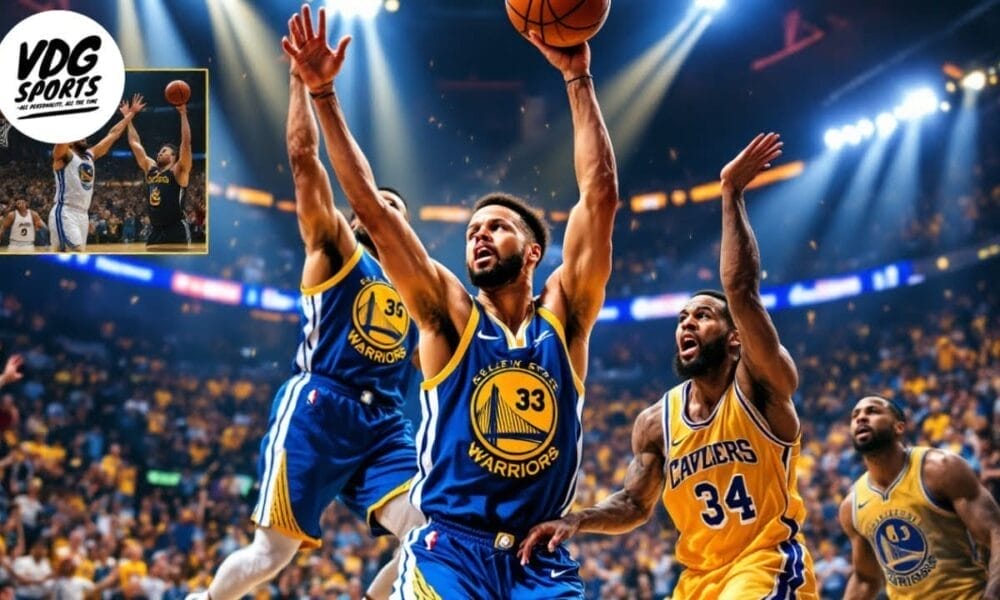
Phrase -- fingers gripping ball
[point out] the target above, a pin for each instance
(561, 23)
(177, 92)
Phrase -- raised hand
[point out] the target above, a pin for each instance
(755, 158)
(138, 104)
(312, 57)
(552, 532)
(12, 371)
(123, 108)
(571, 62)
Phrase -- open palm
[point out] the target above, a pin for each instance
(312, 57)
(755, 158)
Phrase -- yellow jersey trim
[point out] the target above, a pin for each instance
(931, 502)
(553, 320)
(338, 276)
(514, 340)
(400, 489)
(463, 345)
(282, 517)
(422, 588)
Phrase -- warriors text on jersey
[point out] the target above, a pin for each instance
(924, 549)
(164, 198)
(499, 444)
(731, 490)
(356, 331)
(75, 182)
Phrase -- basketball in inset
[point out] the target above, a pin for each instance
(561, 23)
(177, 92)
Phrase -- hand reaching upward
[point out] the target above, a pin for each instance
(572, 62)
(312, 57)
(755, 158)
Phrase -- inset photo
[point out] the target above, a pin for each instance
(137, 186)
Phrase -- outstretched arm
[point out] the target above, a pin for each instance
(587, 244)
(144, 162)
(12, 370)
(866, 580)
(624, 510)
(764, 363)
(424, 285)
(128, 113)
(950, 478)
(325, 232)
(183, 168)
(60, 156)
(39, 223)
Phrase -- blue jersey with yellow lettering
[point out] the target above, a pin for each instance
(356, 332)
(499, 444)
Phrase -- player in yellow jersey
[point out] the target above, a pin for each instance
(918, 513)
(721, 447)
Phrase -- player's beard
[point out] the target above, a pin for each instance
(877, 441)
(503, 272)
(711, 356)
(80, 146)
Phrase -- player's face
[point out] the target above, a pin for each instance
(873, 425)
(702, 336)
(165, 157)
(80, 145)
(496, 247)
(21, 205)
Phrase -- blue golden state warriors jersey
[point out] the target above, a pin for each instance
(924, 549)
(356, 331)
(499, 444)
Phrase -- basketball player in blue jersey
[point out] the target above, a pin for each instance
(336, 429)
(719, 449)
(920, 521)
(166, 182)
(499, 444)
(73, 166)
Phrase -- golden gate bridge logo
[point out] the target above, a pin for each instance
(514, 414)
(380, 317)
(901, 546)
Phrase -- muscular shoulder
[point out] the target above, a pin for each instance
(946, 475)
(647, 433)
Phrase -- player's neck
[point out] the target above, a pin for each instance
(884, 466)
(707, 390)
(511, 303)
(23, 213)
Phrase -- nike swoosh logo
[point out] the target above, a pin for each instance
(553, 573)
(543, 337)
(483, 336)
(678, 441)
(862, 504)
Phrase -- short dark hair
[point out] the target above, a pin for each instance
(536, 225)
(172, 147)
(395, 192)
(718, 296)
(897, 409)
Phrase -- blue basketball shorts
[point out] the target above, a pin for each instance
(444, 560)
(324, 444)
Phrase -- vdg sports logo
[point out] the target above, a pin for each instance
(902, 549)
(514, 417)
(61, 76)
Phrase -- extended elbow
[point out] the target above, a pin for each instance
(301, 152)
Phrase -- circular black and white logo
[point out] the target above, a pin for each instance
(61, 76)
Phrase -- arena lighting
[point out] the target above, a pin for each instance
(865, 127)
(355, 9)
(834, 139)
(945, 106)
(974, 81)
(917, 104)
(885, 123)
(391, 6)
(130, 34)
(851, 135)
(710, 5)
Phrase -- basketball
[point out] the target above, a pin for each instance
(561, 23)
(177, 92)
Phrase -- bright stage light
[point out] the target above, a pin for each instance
(391, 5)
(885, 123)
(833, 139)
(710, 5)
(362, 9)
(916, 104)
(851, 135)
(945, 106)
(975, 81)
(865, 127)
(950, 87)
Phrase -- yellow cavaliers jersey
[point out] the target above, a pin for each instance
(924, 549)
(731, 485)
